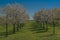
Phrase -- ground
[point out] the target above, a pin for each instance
(26, 34)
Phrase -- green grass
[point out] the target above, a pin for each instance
(26, 34)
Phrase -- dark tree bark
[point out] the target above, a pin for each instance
(53, 28)
(20, 26)
(13, 28)
(46, 25)
(6, 29)
(43, 26)
(39, 23)
(17, 27)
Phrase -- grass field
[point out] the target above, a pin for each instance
(27, 34)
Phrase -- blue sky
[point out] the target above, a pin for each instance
(33, 6)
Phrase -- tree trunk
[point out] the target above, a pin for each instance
(13, 28)
(43, 26)
(17, 27)
(6, 29)
(40, 25)
(53, 28)
(20, 26)
(46, 26)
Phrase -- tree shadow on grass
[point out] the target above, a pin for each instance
(3, 34)
(44, 35)
(48, 35)
(37, 30)
(34, 27)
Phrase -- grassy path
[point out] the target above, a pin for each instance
(27, 34)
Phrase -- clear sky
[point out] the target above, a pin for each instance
(34, 5)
